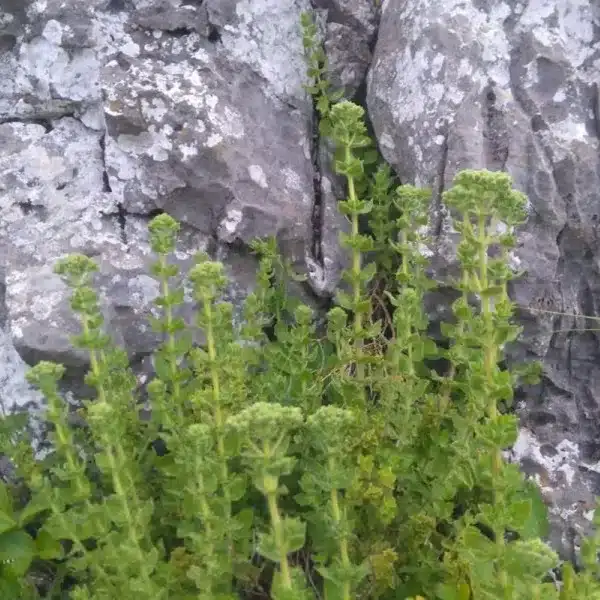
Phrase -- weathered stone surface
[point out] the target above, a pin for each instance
(112, 110)
(179, 17)
(349, 29)
(52, 202)
(199, 138)
(360, 15)
(513, 86)
(348, 57)
(16, 393)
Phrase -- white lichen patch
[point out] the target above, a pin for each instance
(6, 19)
(258, 175)
(33, 295)
(53, 32)
(562, 464)
(41, 165)
(228, 122)
(306, 147)
(316, 275)
(386, 140)
(38, 7)
(143, 290)
(265, 35)
(111, 35)
(231, 222)
(188, 151)
(155, 109)
(514, 262)
(589, 515)
(15, 392)
(214, 139)
(292, 179)
(561, 27)
(326, 185)
(502, 228)
(154, 143)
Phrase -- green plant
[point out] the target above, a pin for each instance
(282, 461)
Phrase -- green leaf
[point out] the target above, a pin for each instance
(454, 591)
(370, 157)
(369, 271)
(492, 291)
(6, 522)
(47, 546)
(38, 504)
(464, 475)
(295, 534)
(537, 524)
(7, 516)
(237, 487)
(267, 547)
(245, 518)
(6, 505)
(430, 349)
(519, 513)
(297, 591)
(476, 542)
(344, 300)
(336, 96)
(162, 367)
(184, 343)
(323, 104)
(530, 558)
(334, 590)
(18, 549)
(504, 431)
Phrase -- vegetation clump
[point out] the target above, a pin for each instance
(360, 461)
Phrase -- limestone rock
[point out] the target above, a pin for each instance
(114, 110)
(513, 86)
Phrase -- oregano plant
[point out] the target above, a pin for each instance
(282, 456)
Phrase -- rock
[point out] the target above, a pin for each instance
(348, 56)
(359, 15)
(510, 86)
(16, 393)
(181, 136)
(349, 32)
(325, 270)
(114, 110)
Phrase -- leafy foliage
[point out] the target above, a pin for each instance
(335, 464)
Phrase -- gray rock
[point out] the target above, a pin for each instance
(113, 110)
(349, 57)
(350, 28)
(514, 86)
(360, 15)
(15, 394)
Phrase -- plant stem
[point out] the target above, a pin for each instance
(270, 485)
(490, 361)
(209, 549)
(116, 469)
(216, 388)
(176, 391)
(343, 543)
(218, 412)
(356, 268)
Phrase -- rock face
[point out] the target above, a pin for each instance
(514, 86)
(114, 110)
